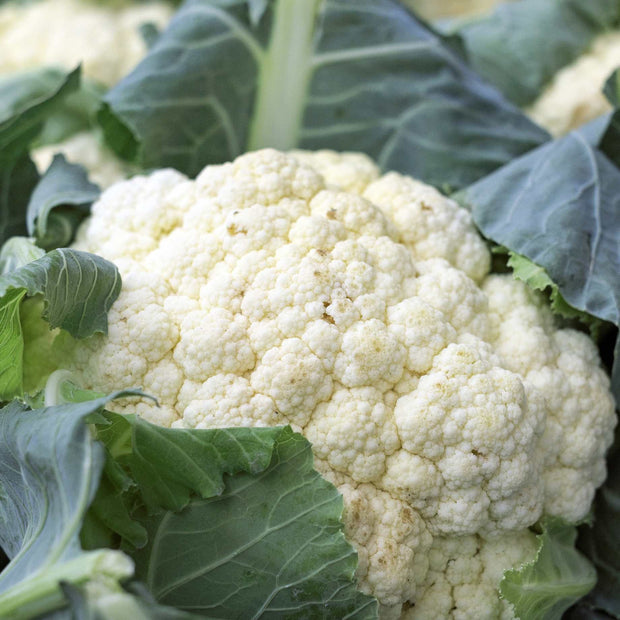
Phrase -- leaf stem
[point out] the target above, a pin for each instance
(284, 76)
(42, 594)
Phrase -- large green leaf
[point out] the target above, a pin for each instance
(239, 523)
(521, 45)
(558, 206)
(50, 467)
(59, 202)
(288, 558)
(557, 577)
(364, 75)
(78, 290)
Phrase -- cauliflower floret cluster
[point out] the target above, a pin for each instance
(309, 290)
(66, 32)
(437, 9)
(87, 149)
(575, 95)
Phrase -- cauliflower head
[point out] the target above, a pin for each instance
(66, 32)
(574, 96)
(308, 289)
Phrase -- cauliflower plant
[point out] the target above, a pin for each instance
(575, 95)
(307, 289)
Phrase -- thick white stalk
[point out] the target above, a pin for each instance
(284, 76)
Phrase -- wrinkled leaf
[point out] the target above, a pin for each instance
(559, 575)
(239, 523)
(78, 289)
(59, 202)
(269, 546)
(538, 279)
(357, 75)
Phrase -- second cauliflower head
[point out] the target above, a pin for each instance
(308, 289)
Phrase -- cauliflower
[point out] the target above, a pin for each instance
(67, 32)
(307, 289)
(87, 149)
(575, 95)
(437, 9)
(93, 32)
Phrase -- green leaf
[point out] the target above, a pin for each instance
(558, 206)
(50, 468)
(77, 112)
(546, 587)
(611, 90)
(18, 178)
(601, 542)
(610, 140)
(169, 465)
(359, 75)
(27, 101)
(521, 45)
(270, 545)
(78, 290)
(24, 108)
(17, 252)
(538, 279)
(239, 523)
(59, 202)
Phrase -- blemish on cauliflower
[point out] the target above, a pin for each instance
(443, 402)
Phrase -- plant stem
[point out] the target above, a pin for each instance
(284, 76)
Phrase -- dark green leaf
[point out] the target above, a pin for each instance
(610, 140)
(27, 101)
(546, 587)
(77, 112)
(23, 114)
(78, 289)
(18, 178)
(358, 75)
(601, 542)
(558, 206)
(59, 202)
(521, 45)
(611, 89)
